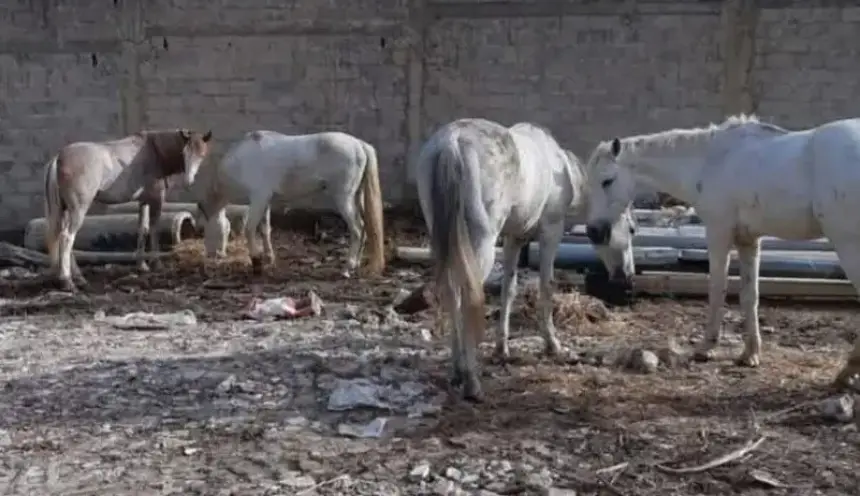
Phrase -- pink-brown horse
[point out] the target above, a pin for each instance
(134, 168)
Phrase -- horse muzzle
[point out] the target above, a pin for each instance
(599, 232)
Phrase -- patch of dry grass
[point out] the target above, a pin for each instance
(190, 255)
(570, 309)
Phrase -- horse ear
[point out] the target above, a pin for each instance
(186, 135)
(207, 136)
(616, 147)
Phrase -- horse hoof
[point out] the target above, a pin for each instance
(552, 349)
(751, 361)
(455, 379)
(67, 285)
(501, 355)
(257, 266)
(703, 356)
(473, 393)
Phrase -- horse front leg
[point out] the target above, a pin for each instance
(155, 208)
(510, 255)
(142, 235)
(719, 247)
(550, 238)
(749, 258)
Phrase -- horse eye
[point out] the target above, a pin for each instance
(607, 183)
(632, 230)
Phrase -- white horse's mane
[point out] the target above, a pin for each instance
(674, 139)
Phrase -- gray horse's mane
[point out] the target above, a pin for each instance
(674, 139)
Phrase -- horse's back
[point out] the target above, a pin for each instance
(295, 165)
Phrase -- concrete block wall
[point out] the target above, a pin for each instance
(391, 71)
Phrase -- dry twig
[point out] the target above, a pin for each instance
(728, 457)
(321, 484)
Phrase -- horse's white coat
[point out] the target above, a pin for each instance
(466, 170)
(745, 179)
(325, 169)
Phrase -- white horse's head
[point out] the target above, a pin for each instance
(194, 150)
(611, 226)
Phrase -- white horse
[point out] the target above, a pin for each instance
(478, 180)
(746, 179)
(330, 168)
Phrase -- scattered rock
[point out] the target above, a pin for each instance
(558, 491)
(420, 299)
(227, 384)
(295, 480)
(672, 355)
(453, 474)
(538, 480)
(419, 472)
(840, 409)
(444, 487)
(643, 361)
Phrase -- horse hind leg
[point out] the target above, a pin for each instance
(256, 211)
(265, 231)
(74, 219)
(152, 234)
(355, 226)
(143, 230)
(511, 251)
(849, 259)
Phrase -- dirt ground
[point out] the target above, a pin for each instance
(231, 406)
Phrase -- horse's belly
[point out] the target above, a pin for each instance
(787, 222)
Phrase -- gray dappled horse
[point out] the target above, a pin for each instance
(478, 180)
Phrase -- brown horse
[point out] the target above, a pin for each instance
(134, 168)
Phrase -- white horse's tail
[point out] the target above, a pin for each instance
(371, 211)
(457, 215)
(55, 209)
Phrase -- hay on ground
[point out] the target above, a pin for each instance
(569, 308)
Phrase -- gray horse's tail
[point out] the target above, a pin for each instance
(55, 207)
(457, 213)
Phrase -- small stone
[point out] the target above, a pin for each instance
(453, 474)
(295, 480)
(558, 491)
(227, 384)
(840, 409)
(419, 472)
(444, 487)
(538, 480)
(671, 356)
(401, 295)
(643, 361)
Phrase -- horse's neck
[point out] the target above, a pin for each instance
(676, 170)
(578, 186)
